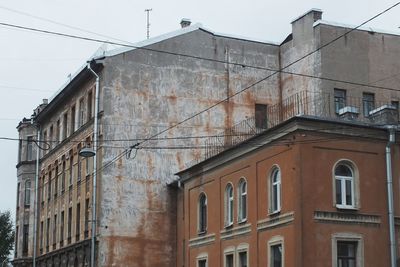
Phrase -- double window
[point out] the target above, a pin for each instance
(236, 256)
(275, 190)
(345, 185)
(202, 213)
(242, 202)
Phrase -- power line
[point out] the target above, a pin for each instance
(282, 70)
(172, 53)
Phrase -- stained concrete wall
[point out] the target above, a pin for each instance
(146, 92)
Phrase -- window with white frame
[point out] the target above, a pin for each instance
(202, 260)
(347, 250)
(202, 213)
(275, 190)
(344, 185)
(242, 198)
(229, 258)
(276, 252)
(228, 205)
(242, 255)
(27, 200)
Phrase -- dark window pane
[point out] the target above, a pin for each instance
(343, 170)
(229, 260)
(349, 200)
(276, 255)
(261, 116)
(243, 259)
(340, 99)
(338, 192)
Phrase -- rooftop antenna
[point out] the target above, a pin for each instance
(148, 21)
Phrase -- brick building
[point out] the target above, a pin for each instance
(144, 91)
(309, 192)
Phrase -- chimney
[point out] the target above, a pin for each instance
(185, 23)
(45, 101)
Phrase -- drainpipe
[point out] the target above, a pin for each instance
(96, 108)
(36, 201)
(390, 196)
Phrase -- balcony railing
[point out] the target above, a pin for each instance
(321, 105)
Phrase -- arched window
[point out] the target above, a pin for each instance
(242, 198)
(275, 190)
(229, 205)
(344, 185)
(27, 200)
(202, 218)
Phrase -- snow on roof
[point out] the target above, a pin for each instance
(305, 13)
(368, 29)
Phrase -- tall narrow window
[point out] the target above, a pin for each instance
(344, 185)
(19, 150)
(41, 237)
(86, 218)
(29, 148)
(275, 190)
(65, 126)
(69, 224)
(27, 193)
(71, 170)
(202, 263)
(62, 229)
(81, 112)
(79, 175)
(346, 254)
(242, 257)
(276, 255)
(25, 239)
(229, 205)
(63, 176)
(54, 231)
(16, 241)
(18, 194)
(73, 119)
(56, 181)
(78, 222)
(57, 137)
(45, 139)
(51, 137)
(229, 260)
(49, 187)
(242, 198)
(89, 105)
(48, 234)
(340, 99)
(368, 103)
(261, 118)
(202, 213)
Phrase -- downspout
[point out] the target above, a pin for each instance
(390, 196)
(36, 201)
(94, 207)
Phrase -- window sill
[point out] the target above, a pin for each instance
(202, 232)
(274, 213)
(242, 221)
(229, 225)
(349, 208)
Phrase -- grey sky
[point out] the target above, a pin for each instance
(33, 66)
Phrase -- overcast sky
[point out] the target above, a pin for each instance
(33, 66)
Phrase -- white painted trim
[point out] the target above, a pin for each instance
(276, 240)
(352, 237)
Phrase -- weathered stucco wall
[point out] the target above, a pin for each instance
(146, 92)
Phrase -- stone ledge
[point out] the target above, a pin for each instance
(348, 218)
(202, 240)
(275, 221)
(237, 231)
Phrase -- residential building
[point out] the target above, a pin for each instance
(151, 89)
(309, 192)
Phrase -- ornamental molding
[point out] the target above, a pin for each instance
(236, 231)
(348, 218)
(202, 240)
(275, 221)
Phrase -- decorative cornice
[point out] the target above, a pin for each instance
(348, 218)
(236, 231)
(276, 221)
(202, 240)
